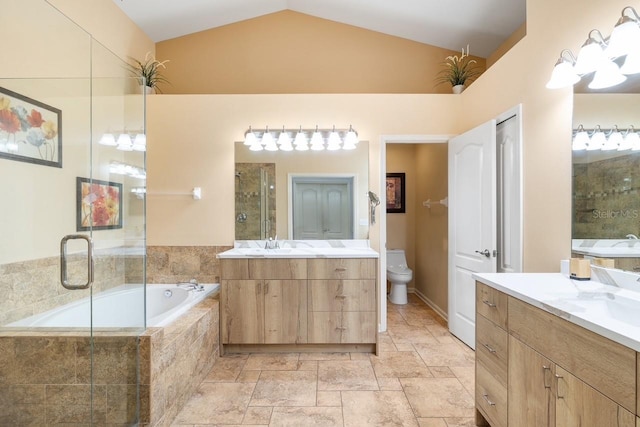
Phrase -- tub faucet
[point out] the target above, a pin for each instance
(631, 236)
(191, 285)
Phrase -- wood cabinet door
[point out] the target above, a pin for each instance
(285, 311)
(531, 391)
(242, 306)
(578, 404)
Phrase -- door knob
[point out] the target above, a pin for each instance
(485, 253)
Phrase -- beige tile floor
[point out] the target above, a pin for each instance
(423, 377)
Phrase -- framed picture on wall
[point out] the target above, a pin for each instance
(395, 193)
(98, 204)
(30, 131)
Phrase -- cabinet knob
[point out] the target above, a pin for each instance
(341, 269)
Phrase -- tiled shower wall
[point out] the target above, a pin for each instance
(172, 264)
(605, 198)
(249, 187)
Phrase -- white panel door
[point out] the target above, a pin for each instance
(472, 222)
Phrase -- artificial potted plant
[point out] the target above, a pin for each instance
(458, 71)
(148, 71)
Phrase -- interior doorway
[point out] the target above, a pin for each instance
(414, 199)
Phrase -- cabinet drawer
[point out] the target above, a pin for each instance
(278, 268)
(492, 304)
(342, 268)
(603, 364)
(491, 348)
(354, 327)
(342, 295)
(491, 397)
(231, 268)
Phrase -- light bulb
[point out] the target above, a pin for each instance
(625, 35)
(108, 139)
(301, 141)
(563, 75)
(249, 137)
(580, 140)
(613, 141)
(598, 138)
(334, 140)
(607, 75)
(124, 142)
(268, 141)
(140, 142)
(317, 143)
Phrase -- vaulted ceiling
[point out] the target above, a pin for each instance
(450, 24)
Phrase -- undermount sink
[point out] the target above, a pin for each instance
(618, 307)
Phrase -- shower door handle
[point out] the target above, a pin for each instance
(63, 261)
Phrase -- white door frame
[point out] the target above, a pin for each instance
(382, 212)
(517, 253)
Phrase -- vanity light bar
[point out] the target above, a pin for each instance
(603, 139)
(301, 139)
(125, 140)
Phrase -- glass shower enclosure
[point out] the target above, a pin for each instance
(72, 230)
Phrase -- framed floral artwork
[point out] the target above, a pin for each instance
(395, 193)
(30, 131)
(99, 204)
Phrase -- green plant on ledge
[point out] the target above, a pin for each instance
(149, 69)
(458, 70)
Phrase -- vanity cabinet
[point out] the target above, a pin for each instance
(263, 302)
(578, 404)
(342, 301)
(298, 301)
(557, 373)
(491, 355)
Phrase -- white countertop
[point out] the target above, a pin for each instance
(301, 249)
(610, 311)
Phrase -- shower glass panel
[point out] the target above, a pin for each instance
(78, 366)
(255, 201)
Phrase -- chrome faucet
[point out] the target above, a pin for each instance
(631, 236)
(272, 243)
(191, 285)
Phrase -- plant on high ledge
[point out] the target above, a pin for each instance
(149, 69)
(458, 71)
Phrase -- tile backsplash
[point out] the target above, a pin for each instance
(171, 264)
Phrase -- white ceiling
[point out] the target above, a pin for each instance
(451, 24)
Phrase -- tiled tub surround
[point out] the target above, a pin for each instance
(171, 264)
(45, 376)
(32, 287)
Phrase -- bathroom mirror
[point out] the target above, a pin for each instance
(264, 194)
(606, 183)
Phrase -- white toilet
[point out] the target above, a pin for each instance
(399, 275)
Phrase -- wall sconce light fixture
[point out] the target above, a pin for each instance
(601, 56)
(303, 139)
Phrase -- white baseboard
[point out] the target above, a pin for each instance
(430, 303)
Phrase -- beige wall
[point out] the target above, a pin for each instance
(191, 144)
(513, 39)
(104, 20)
(431, 231)
(520, 77)
(289, 52)
(401, 227)
(52, 61)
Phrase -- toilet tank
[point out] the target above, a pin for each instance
(396, 257)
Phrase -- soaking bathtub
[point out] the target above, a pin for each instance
(53, 350)
(122, 307)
